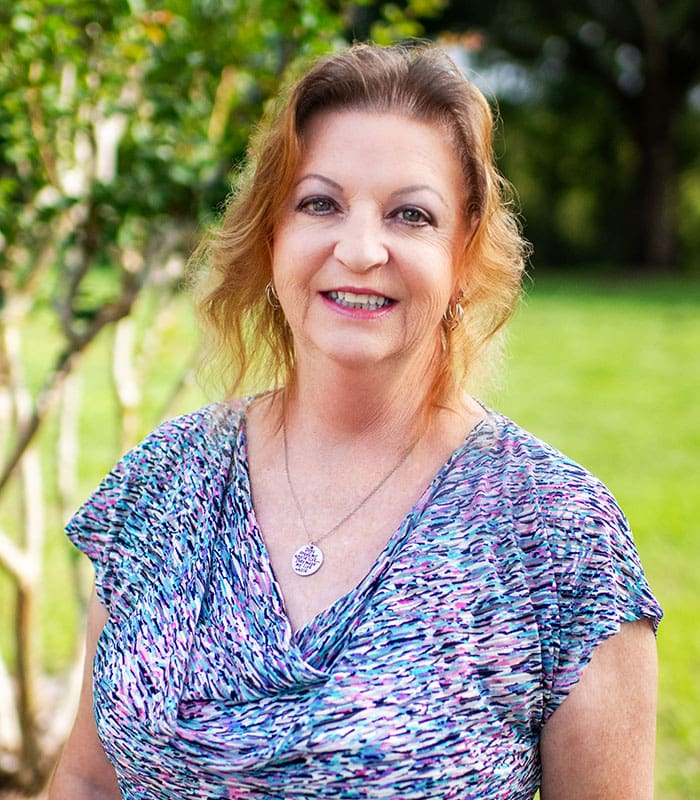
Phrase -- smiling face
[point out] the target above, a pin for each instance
(365, 252)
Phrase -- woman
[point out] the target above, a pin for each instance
(362, 583)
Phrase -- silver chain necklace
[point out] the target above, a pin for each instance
(308, 559)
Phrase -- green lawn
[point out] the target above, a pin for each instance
(605, 369)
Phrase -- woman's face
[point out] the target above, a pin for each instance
(365, 253)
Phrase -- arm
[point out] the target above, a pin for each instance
(599, 744)
(83, 771)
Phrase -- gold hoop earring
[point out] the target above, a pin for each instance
(271, 296)
(454, 314)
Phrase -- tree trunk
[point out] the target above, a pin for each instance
(659, 209)
(659, 105)
(26, 623)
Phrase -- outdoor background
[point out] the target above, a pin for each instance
(121, 126)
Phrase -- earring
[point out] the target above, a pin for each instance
(454, 314)
(271, 296)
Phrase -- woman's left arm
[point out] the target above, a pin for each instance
(599, 744)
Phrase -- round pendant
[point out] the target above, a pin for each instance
(307, 560)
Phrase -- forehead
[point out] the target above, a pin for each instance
(379, 144)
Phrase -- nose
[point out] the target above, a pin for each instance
(361, 244)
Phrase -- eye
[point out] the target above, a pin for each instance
(318, 205)
(412, 215)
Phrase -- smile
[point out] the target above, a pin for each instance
(368, 302)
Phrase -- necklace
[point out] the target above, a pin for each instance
(308, 559)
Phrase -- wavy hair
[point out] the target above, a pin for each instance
(251, 340)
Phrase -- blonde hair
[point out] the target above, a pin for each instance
(252, 340)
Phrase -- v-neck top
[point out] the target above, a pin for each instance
(431, 679)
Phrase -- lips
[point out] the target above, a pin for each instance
(366, 302)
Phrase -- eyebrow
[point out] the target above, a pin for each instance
(321, 178)
(419, 187)
(398, 193)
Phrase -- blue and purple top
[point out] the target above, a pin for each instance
(431, 679)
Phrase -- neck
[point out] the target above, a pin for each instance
(347, 403)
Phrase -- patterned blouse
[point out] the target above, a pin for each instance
(431, 679)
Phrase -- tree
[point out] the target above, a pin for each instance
(119, 127)
(625, 67)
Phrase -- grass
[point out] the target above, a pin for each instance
(605, 369)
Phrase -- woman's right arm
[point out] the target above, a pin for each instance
(84, 771)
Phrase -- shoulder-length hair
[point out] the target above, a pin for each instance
(250, 337)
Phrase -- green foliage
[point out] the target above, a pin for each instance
(605, 92)
(397, 24)
(689, 186)
(177, 89)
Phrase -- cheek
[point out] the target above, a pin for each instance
(296, 253)
(286, 261)
(292, 277)
(435, 274)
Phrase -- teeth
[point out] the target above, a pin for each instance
(352, 300)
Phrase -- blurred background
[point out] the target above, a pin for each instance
(121, 124)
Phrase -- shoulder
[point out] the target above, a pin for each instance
(178, 453)
(179, 467)
(192, 439)
(180, 446)
(510, 462)
(200, 429)
(555, 523)
(548, 512)
(570, 508)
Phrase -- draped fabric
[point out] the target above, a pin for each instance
(431, 679)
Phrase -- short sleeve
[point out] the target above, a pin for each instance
(98, 528)
(123, 527)
(600, 583)
(115, 527)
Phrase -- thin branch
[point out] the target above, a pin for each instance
(23, 295)
(16, 561)
(68, 443)
(36, 120)
(65, 364)
(126, 383)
